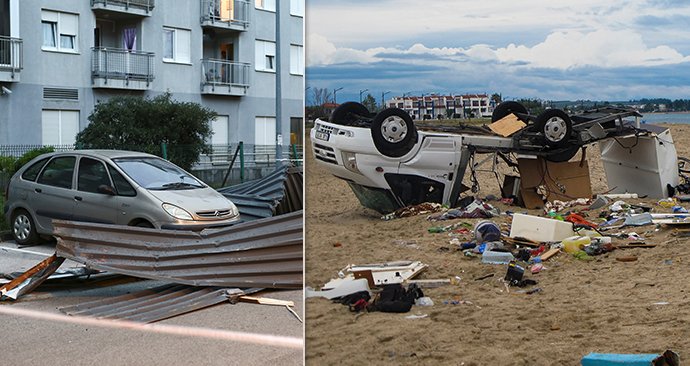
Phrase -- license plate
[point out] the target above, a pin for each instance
(322, 135)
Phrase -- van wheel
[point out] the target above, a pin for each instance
(348, 113)
(23, 228)
(507, 108)
(145, 224)
(393, 132)
(556, 127)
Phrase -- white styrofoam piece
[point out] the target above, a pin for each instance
(540, 228)
(383, 273)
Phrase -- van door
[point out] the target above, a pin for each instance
(90, 204)
(53, 196)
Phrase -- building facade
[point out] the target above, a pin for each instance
(59, 58)
(444, 106)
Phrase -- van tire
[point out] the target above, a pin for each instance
(555, 126)
(393, 132)
(348, 113)
(507, 108)
(23, 228)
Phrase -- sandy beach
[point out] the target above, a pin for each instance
(603, 305)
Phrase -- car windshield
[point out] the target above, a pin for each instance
(157, 174)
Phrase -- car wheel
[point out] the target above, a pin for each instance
(563, 156)
(348, 113)
(393, 132)
(507, 108)
(556, 127)
(23, 228)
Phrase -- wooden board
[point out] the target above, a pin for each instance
(507, 125)
(550, 253)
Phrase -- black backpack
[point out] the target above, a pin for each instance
(395, 299)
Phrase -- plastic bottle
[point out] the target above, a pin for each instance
(575, 243)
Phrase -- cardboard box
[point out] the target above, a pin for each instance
(558, 181)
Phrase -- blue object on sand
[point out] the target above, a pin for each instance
(612, 359)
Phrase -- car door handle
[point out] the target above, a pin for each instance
(38, 190)
(78, 198)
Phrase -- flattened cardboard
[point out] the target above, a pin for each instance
(563, 181)
(507, 125)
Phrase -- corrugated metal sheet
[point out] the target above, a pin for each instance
(277, 193)
(155, 304)
(261, 253)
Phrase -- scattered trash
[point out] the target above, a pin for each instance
(638, 220)
(486, 231)
(495, 257)
(475, 210)
(420, 209)
(536, 268)
(631, 258)
(417, 316)
(424, 301)
(539, 228)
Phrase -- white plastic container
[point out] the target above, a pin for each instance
(539, 228)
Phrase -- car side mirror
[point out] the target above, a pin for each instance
(106, 189)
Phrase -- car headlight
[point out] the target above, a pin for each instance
(350, 162)
(233, 209)
(177, 212)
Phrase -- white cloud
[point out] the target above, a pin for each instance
(602, 48)
(560, 50)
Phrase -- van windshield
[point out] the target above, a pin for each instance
(157, 174)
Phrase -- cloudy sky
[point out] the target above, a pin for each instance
(553, 50)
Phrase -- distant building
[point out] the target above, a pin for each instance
(444, 106)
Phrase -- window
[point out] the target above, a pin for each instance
(122, 186)
(176, 45)
(269, 5)
(265, 56)
(32, 172)
(91, 175)
(219, 126)
(59, 172)
(265, 131)
(297, 8)
(60, 31)
(296, 59)
(59, 127)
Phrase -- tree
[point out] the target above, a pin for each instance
(143, 124)
(320, 96)
(370, 102)
(497, 98)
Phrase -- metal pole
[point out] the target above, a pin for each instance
(279, 95)
(241, 161)
(164, 150)
(335, 95)
(383, 100)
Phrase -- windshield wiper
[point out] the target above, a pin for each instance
(178, 185)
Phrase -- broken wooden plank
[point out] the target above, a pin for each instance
(430, 283)
(550, 253)
(266, 301)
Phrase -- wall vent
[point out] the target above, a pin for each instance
(61, 93)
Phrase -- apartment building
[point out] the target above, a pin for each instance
(59, 58)
(435, 106)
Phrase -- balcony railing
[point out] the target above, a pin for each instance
(144, 6)
(11, 55)
(221, 73)
(120, 64)
(230, 14)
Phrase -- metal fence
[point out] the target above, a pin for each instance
(146, 5)
(230, 12)
(11, 54)
(115, 63)
(222, 72)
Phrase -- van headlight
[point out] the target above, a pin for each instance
(177, 212)
(350, 161)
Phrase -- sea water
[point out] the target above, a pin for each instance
(653, 118)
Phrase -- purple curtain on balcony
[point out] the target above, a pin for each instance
(130, 38)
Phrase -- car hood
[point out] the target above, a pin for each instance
(194, 200)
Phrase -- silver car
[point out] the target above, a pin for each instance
(113, 187)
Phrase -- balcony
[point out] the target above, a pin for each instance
(11, 58)
(220, 77)
(123, 7)
(121, 69)
(225, 15)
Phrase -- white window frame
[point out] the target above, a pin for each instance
(265, 51)
(296, 59)
(179, 46)
(60, 27)
(267, 5)
(297, 8)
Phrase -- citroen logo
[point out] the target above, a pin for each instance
(216, 213)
